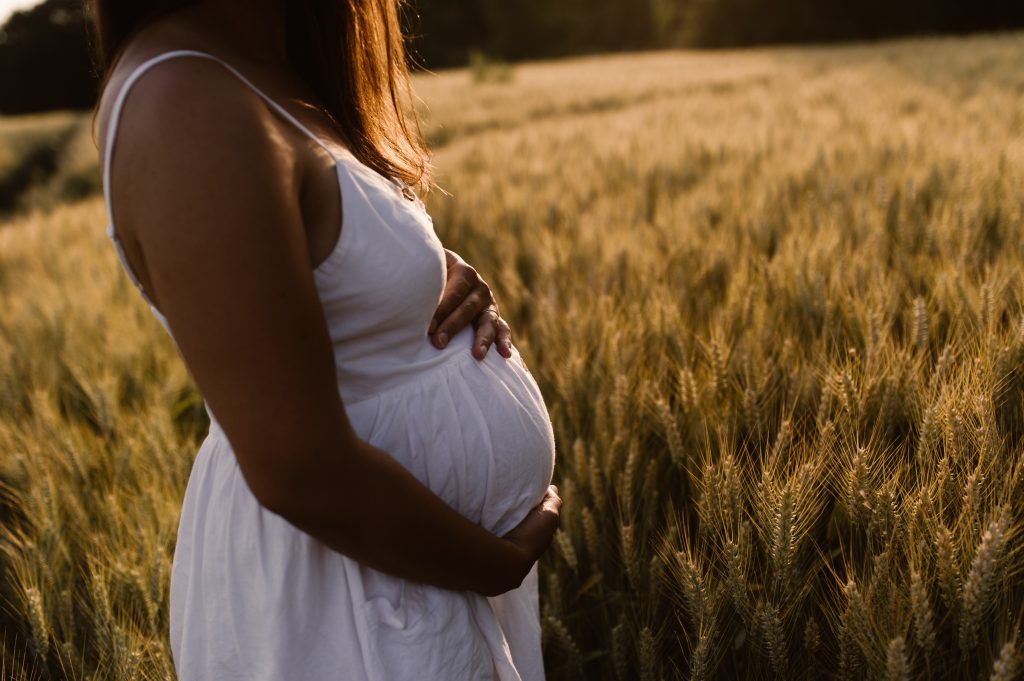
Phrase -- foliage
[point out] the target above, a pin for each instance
(484, 69)
(44, 59)
(724, 23)
(45, 63)
(75, 174)
(32, 155)
(774, 302)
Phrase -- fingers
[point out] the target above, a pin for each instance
(475, 302)
(451, 257)
(552, 503)
(466, 299)
(533, 535)
(461, 281)
(549, 512)
(486, 331)
(504, 338)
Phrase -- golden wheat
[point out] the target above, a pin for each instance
(774, 299)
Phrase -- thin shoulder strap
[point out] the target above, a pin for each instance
(115, 113)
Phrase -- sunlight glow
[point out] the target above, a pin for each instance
(9, 7)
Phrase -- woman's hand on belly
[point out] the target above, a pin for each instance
(467, 298)
(533, 535)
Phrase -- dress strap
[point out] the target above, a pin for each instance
(115, 114)
(115, 117)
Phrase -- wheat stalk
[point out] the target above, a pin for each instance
(1009, 665)
(920, 324)
(982, 578)
(947, 567)
(924, 619)
(897, 668)
(565, 548)
(770, 624)
(647, 654)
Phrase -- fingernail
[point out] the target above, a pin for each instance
(483, 350)
(442, 338)
(433, 326)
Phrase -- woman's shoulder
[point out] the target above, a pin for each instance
(184, 122)
(166, 70)
(188, 92)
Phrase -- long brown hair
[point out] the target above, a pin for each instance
(351, 53)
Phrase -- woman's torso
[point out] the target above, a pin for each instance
(475, 432)
(379, 284)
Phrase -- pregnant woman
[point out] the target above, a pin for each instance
(372, 496)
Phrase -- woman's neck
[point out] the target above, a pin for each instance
(253, 29)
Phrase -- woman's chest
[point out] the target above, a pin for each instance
(386, 271)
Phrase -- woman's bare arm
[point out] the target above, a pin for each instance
(210, 190)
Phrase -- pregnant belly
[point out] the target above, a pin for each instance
(476, 432)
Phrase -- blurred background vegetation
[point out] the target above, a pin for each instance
(789, 408)
(773, 297)
(44, 62)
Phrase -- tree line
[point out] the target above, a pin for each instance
(445, 30)
(44, 58)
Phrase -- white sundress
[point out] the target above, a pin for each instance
(252, 597)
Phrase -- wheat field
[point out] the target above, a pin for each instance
(774, 301)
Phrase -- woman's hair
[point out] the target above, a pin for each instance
(349, 52)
